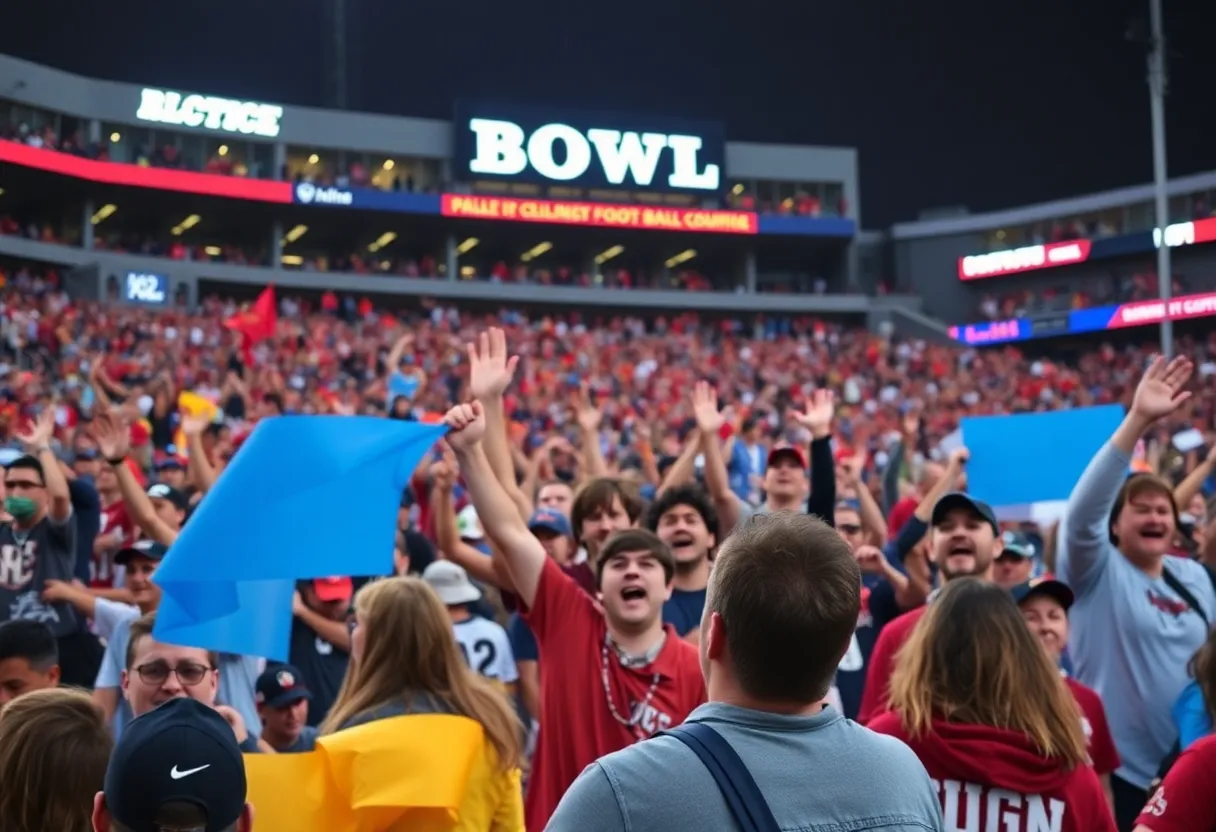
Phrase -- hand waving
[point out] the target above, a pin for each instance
(1160, 391)
(589, 416)
(491, 369)
(112, 435)
(40, 432)
(818, 414)
(194, 424)
(466, 426)
(705, 408)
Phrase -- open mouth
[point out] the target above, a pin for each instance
(633, 593)
(1153, 533)
(682, 541)
(961, 550)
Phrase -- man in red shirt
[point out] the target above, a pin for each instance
(608, 678)
(1183, 802)
(964, 541)
(117, 529)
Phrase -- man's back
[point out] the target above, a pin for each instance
(819, 772)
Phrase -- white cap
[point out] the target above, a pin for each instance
(469, 524)
(451, 583)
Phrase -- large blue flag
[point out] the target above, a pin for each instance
(1034, 457)
(306, 497)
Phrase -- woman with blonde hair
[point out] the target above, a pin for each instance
(978, 700)
(54, 749)
(405, 662)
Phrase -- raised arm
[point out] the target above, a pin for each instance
(717, 479)
(113, 438)
(491, 370)
(37, 442)
(447, 534)
(524, 556)
(872, 519)
(1084, 541)
(817, 418)
(589, 418)
(198, 467)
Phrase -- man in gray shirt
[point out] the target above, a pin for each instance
(782, 604)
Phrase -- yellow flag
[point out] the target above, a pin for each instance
(190, 403)
(403, 773)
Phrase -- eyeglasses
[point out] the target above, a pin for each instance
(188, 673)
(849, 528)
(26, 484)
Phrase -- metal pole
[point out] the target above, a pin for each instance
(1157, 85)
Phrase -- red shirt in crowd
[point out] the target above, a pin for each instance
(577, 726)
(1184, 802)
(117, 521)
(989, 778)
(1102, 753)
(882, 664)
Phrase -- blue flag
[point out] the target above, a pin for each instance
(1034, 457)
(306, 497)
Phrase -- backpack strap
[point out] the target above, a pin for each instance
(742, 795)
(1171, 580)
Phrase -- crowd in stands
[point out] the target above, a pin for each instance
(1083, 292)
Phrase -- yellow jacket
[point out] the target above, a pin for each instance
(412, 773)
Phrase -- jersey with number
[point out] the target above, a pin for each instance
(27, 561)
(486, 649)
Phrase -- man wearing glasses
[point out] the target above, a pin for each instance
(157, 672)
(40, 544)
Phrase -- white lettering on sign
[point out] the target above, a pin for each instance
(1178, 234)
(310, 194)
(1010, 260)
(210, 112)
(970, 807)
(145, 288)
(503, 149)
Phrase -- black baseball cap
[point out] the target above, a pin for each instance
(161, 491)
(957, 499)
(1017, 545)
(149, 549)
(184, 752)
(280, 686)
(1046, 585)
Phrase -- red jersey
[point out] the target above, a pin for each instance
(988, 778)
(115, 520)
(577, 725)
(1101, 745)
(882, 664)
(1183, 802)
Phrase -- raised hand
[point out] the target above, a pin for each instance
(466, 425)
(1160, 391)
(870, 560)
(705, 408)
(491, 369)
(194, 424)
(589, 416)
(40, 432)
(112, 435)
(959, 457)
(444, 472)
(818, 413)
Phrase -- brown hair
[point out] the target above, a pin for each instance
(141, 628)
(788, 590)
(972, 660)
(410, 649)
(635, 540)
(1138, 485)
(54, 749)
(1202, 668)
(597, 496)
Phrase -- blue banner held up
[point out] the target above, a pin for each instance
(1034, 457)
(306, 497)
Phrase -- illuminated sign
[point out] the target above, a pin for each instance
(1068, 252)
(311, 194)
(596, 214)
(141, 287)
(209, 112)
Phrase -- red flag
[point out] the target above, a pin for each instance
(257, 323)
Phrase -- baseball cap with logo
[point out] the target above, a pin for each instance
(280, 686)
(181, 752)
(469, 524)
(149, 549)
(1058, 591)
(451, 583)
(160, 491)
(546, 519)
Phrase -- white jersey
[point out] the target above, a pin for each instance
(487, 649)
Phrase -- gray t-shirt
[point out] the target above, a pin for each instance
(821, 772)
(27, 560)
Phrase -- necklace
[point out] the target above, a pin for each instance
(632, 722)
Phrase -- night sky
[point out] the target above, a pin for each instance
(982, 104)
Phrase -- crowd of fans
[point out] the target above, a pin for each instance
(1115, 287)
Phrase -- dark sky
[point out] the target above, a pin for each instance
(982, 104)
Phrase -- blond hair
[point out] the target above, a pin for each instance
(54, 749)
(972, 660)
(410, 649)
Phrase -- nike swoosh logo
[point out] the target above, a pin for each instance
(178, 775)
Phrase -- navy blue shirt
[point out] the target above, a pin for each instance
(683, 610)
(523, 640)
(86, 505)
(877, 608)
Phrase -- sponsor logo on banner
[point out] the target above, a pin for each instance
(210, 112)
(146, 288)
(311, 194)
(1155, 311)
(600, 215)
(625, 158)
(1025, 259)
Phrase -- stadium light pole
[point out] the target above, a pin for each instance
(1157, 85)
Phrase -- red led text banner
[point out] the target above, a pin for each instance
(135, 176)
(599, 214)
(1156, 311)
(1025, 259)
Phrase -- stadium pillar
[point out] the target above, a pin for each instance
(276, 246)
(749, 271)
(1157, 85)
(86, 225)
(452, 261)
